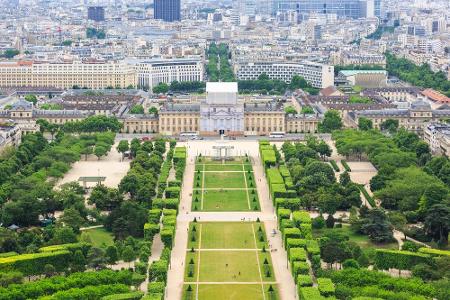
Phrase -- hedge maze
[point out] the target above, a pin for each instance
(228, 186)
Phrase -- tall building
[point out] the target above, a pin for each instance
(167, 10)
(342, 8)
(96, 13)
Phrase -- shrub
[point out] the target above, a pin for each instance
(291, 233)
(346, 166)
(326, 287)
(434, 252)
(150, 230)
(300, 267)
(297, 254)
(334, 165)
(301, 217)
(402, 260)
(304, 280)
(125, 296)
(295, 243)
(156, 287)
(312, 247)
(309, 293)
(33, 263)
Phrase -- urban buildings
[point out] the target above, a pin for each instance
(437, 135)
(66, 75)
(96, 13)
(167, 10)
(318, 75)
(152, 72)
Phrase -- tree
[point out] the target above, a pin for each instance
(123, 147)
(344, 178)
(63, 235)
(111, 253)
(389, 125)
(161, 88)
(128, 254)
(72, 218)
(31, 98)
(331, 121)
(100, 151)
(290, 110)
(86, 151)
(78, 263)
(49, 270)
(437, 223)
(323, 149)
(153, 110)
(365, 124)
(96, 258)
(298, 82)
(137, 110)
(10, 53)
(376, 225)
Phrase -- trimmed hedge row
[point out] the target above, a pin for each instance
(334, 165)
(33, 263)
(125, 296)
(326, 287)
(345, 165)
(366, 195)
(402, 260)
(84, 247)
(310, 293)
(89, 292)
(434, 252)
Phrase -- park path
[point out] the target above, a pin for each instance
(157, 248)
(175, 277)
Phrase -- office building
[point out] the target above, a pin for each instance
(354, 9)
(96, 13)
(318, 75)
(167, 10)
(94, 75)
(150, 73)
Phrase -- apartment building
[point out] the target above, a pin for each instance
(95, 75)
(150, 73)
(437, 135)
(318, 75)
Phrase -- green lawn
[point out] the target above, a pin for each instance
(99, 237)
(219, 183)
(224, 180)
(362, 240)
(230, 292)
(226, 235)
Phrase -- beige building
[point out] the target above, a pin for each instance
(95, 75)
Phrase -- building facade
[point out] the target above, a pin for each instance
(167, 10)
(354, 9)
(437, 135)
(96, 13)
(153, 72)
(222, 112)
(318, 75)
(96, 75)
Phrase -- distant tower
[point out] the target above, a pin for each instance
(167, 10)
(96, 13)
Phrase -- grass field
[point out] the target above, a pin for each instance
(99, 237)
(221, 254)
(362, 240)
(224, 186)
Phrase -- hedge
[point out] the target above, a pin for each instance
(169, 212)
(156, 287)
(173, 192)
(304, 280)
(306, 230)
(367, 196)
(286, 223)
(402, 260)
(48, 286)
(8, 254)
(171, 203)
(312, 247)
(284, 213)
(179, 154)
(88, 292)
(297, 254)
(284, 171)
(309, 293)
(33, 263)
(295, 243)
(167, 234)
(326, 287)
(154, 215)
(125, 296)
(346, 166)
(291, 233)
(278, 190)
(154, 296)
(158, 270)
(301, 217)
(84, 247)
(174, 183)
(334, 165)
(300, 267)
(274, 176)
(290, 203)
(434, 252)
(150, 230)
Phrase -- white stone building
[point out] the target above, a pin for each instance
(221, 112)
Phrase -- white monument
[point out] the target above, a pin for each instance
(222, 112)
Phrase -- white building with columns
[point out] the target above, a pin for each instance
(222, 112)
